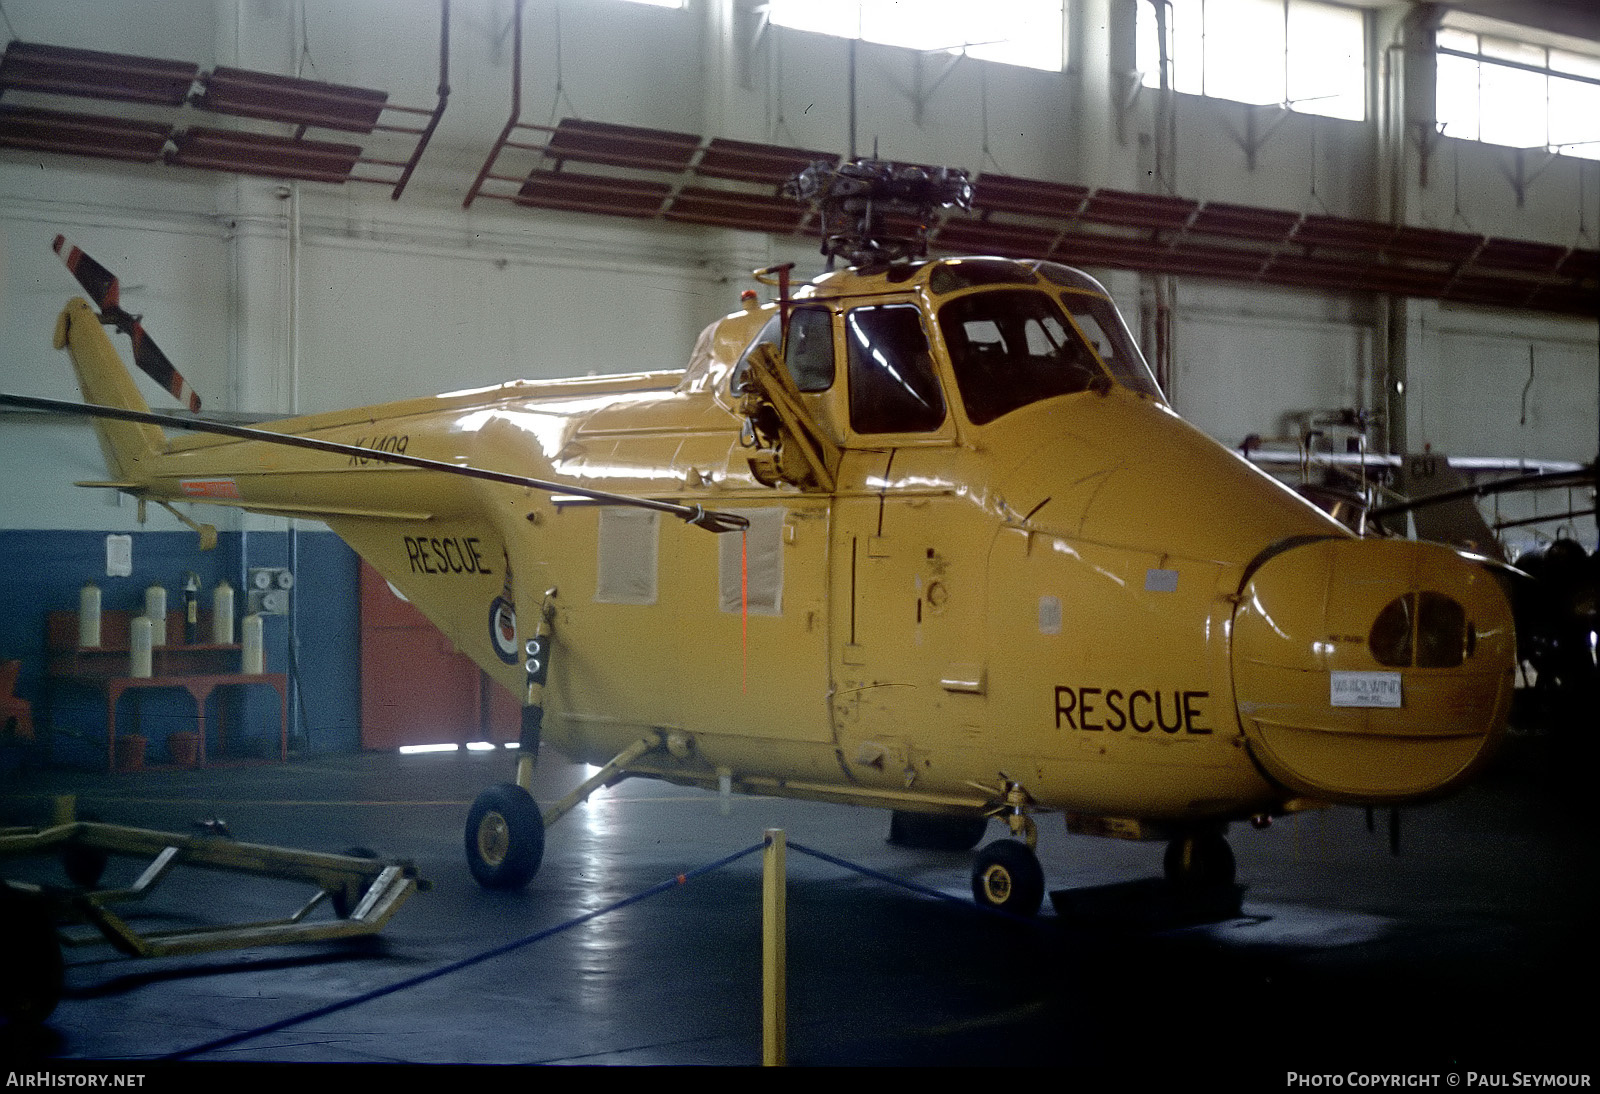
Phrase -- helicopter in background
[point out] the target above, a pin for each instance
(964, 563)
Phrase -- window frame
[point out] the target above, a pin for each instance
(978, 51)
(1479, 60)
(1198, 38)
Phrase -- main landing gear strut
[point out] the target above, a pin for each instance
(504, 836)
(505, 830)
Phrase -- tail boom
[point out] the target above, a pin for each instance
(131, 448)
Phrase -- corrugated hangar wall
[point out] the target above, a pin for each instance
(276, 297)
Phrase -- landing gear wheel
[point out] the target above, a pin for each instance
(504, 837)
(31, 987)
(1007, 875)
(1199, 861)
(927, 831)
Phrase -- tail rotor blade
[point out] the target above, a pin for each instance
(103, 288)
(99, 282)
(148, 356)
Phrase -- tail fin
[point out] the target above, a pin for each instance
(130, 448)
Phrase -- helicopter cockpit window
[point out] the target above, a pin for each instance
(1103, 328)
(809, 353)
(893, 386)
(970, 273)
(1010, 348)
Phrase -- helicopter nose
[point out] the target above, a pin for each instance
(1372, 671)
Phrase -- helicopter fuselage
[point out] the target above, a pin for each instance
(1012, 568)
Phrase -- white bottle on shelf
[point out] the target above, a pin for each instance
(255, 660)
(222, 614)
(141, 640)
(89, 616)
(155, 610)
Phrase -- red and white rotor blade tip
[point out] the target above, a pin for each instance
(103, 288)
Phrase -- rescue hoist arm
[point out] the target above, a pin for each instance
(789, 446)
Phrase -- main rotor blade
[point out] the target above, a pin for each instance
(1539, 480)
(106, 292)
(713, 520)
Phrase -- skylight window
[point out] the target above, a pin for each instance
(1029, 33)
(1513, 93)
(1309, 57)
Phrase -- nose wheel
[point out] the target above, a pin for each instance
(1200, 860)
(504, 837)
(1006, 875)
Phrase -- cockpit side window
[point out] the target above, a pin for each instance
(1010, 348)
(893, 385)
(771, 335)
(809, 352)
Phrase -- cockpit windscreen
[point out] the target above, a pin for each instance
(1013, 347)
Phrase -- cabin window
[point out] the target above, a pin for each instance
(750, 566)
(809, 352)
(628, 546)
(1010, 348)
(893, 386)
(1430, 631)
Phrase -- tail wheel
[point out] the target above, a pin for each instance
(1006, 875)
(1198, 861)
(504, 837)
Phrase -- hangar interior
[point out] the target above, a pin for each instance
(1447, 305)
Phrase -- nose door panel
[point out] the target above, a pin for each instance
(1372, 671)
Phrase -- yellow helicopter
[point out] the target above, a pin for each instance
(949, 553)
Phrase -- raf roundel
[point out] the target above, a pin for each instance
(503, 629)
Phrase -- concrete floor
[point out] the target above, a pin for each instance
(1472, 951)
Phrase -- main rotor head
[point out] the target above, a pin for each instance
(875, 212)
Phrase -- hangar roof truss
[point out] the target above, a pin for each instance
(272, 115)
(615, 170)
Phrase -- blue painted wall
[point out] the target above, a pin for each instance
(317, 645)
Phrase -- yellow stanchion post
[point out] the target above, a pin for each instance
(774, 953)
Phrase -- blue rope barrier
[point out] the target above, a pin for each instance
(466, 962)
(516, 944)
